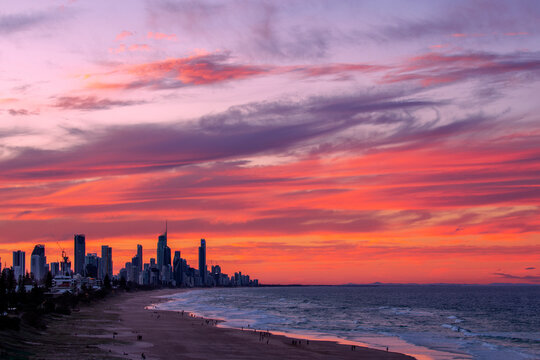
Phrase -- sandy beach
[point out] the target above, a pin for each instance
(121, 328)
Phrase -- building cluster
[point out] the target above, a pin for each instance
(91, 269)
(175, 271)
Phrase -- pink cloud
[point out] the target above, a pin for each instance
(161, 36)
(124, 34)
(139, 47)
(123, 48)
(117, 50)
(436, 68)
(516, 33)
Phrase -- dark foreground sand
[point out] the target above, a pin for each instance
(111, 330)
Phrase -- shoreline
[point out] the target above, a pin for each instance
(220, 323)
(123, 327)
(328, 348)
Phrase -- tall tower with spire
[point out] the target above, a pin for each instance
(161, 245)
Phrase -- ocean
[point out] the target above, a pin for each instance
(439, 322)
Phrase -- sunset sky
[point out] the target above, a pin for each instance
(307, 141)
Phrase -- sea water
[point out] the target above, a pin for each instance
(439, 322)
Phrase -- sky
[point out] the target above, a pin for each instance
(314, 142)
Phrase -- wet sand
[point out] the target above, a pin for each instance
(121, 328)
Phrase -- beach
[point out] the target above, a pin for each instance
(121, 327)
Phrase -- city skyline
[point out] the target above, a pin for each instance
(378, 140)
(89, 268)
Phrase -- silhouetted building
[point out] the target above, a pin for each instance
(161, 245)
(178, 268)
(140, 256)
(79, 252)
(202, 261)
(38, 262)
(55, 268)
(106, 262)
(19, 264)
(92, 265)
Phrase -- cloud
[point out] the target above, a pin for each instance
(260, 30)
(91, 103)
(122, 35)
(342, 70)
(528, 278)
(161, 36)
(131, 48)
(520, 33)
(442, 68)
(21, 22)
(7, 100)
(460, 20)
(212, 68)
(530, 268)
(255, 128)
(21, 112)
(201, 69)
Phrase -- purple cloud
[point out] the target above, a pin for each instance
(241, 131)
(529, 278)
(91, 103)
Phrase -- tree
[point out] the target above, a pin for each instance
(48, 280)
(11, 281)
(3, 291)
(122, 282)
(107, 282)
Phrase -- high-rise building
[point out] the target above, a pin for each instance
(178, 269)
(79, 252)
(166, 256)
(19, 263)
(161, 245)
(106, 262)
(202, 261)
(140, 256)
(55, 269)
(92, 265)
(38, 262)
(166, 268)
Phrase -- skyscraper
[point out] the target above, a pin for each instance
(55, 269)
(202, 261)
(92, 265)
(79, 252)
(166, 268)
(178, 269)
(38, 262)
(140, 256)
(106, 261)
(162, 243)
(19, 263)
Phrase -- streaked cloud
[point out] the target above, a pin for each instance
(91, 103)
